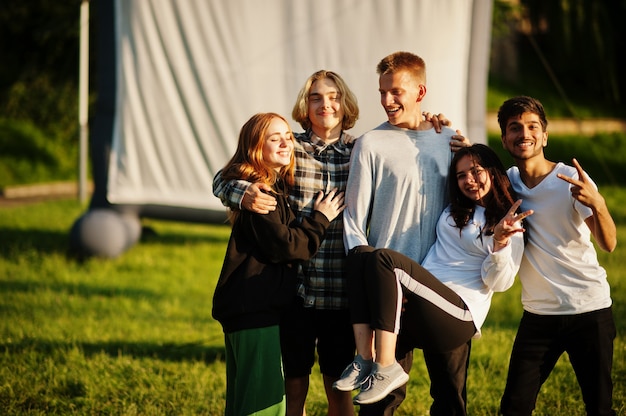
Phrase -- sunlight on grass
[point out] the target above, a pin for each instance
(134, 335)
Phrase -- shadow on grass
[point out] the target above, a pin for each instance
(192, 352)
(79, 289)
(150, 236)
(14, 241)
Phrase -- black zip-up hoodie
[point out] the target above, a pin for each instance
(258, 277)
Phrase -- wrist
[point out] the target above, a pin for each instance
(502, 242)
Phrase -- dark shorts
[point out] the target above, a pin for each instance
(303, 329)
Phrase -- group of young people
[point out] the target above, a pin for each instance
(404, 252)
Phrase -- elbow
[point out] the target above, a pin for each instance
(608, 243)
(500, 285)
(503, 287)
(610, 246)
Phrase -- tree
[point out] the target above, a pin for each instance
(39, 76)
(583, 42)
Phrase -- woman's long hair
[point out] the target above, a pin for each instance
(497, 202)
(247, 163)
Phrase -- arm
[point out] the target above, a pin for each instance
(502, 263)
(600, 223)
(229, 192)
(500, 267)
(359, 192)
(240, 194)
(282, 240)
(603, 228)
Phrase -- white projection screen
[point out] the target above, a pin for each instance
(189, 73)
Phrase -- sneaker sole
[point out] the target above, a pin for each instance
(400, 381)
(346, 388)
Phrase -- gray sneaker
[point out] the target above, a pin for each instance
(354, 374)
(380, 383)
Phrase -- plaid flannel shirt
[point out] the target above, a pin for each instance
(322, 281)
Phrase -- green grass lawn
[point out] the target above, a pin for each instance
(134, 335)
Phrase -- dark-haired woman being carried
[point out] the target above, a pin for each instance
(439, 306)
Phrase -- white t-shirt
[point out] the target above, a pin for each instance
(560, 273)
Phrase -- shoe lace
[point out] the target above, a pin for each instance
(354, 371)
(369, 381)
(356, 366)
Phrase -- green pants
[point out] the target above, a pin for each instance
(255, 384)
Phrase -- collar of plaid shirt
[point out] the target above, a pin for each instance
(313, 144)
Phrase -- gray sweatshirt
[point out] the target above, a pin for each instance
(397, 188)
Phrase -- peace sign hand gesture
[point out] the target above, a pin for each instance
(600, 223)
(508, 226)
(582, 189)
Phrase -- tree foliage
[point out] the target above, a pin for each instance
(39, 42)
(584, 43)
(39, 77)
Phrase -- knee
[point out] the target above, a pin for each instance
(383, 257)
(358, 250)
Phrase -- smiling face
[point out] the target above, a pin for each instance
(278, 145)
(400, 96)
(524, 137)
(473, 180)
(325, 110)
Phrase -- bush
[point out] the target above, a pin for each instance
(53, 108)
(29, 155)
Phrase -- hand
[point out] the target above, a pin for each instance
(600, 223)
(256, 199)
(330, 205)
(509, 225)
(582, 189)
(438, 120)
(459, 141)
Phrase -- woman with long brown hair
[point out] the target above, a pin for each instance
(258, 277)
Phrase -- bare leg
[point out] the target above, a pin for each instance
(339, 402)
(385, 347)
(364, 338)
(296, 389)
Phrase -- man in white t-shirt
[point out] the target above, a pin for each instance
(565, 293)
